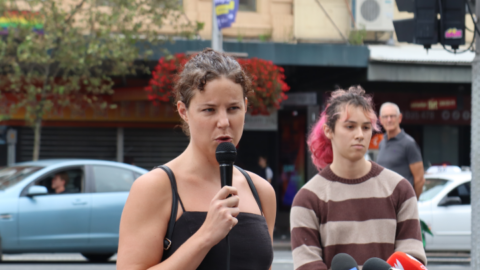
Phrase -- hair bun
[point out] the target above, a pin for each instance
(357, 90)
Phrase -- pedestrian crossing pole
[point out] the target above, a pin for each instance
(217, 38)
(475, 153)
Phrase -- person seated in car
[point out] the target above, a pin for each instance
(59, 181)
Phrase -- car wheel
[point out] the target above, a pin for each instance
(97, 257)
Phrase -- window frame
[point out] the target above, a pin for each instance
(468, 183)
(54, 171)
(248, 10)
(91, 177)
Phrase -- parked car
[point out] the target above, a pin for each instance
(85, 219)
(445, 207)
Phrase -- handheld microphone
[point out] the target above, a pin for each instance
(377, 264)
(404, 261)
(226, 154)
(343, 261)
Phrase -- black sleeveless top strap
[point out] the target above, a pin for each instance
(167, 242)
(252, 187)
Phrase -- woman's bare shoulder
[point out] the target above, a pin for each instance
(154, 184)
(261, 184)
(144, 221)
(267, 199)
(264, 188)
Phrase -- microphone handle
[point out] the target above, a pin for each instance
(226, 174)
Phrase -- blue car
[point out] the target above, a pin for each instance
(83, 218)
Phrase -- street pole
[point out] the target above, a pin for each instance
(217, 39)
(475, 154)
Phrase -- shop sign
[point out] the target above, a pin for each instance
(261, 122)
(126, 111)
(455, 117)
(375, 141)
(433, 104)
(300, 99)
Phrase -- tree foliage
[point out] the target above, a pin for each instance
(65, 52)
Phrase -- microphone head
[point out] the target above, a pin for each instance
(402, 260)
(343, 261)
(226, 153)
(376, 264)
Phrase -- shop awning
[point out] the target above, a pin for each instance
(300, 54)
(412, 63)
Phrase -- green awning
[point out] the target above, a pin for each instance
(301, 54)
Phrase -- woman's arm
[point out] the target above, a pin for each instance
(268, 201)
(145, 219)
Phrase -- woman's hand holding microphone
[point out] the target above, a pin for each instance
(222, 215)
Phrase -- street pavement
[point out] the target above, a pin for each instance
(72, 261)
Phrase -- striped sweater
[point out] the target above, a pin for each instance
(372, 216)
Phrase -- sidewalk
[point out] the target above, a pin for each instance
(281, 242)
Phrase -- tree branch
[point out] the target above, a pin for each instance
(75, 10)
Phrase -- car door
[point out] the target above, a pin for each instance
(110, 186)
(451, 224)
(55, 222)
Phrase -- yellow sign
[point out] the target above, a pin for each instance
(225, 8)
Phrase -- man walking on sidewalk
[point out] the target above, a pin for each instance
(398, 151)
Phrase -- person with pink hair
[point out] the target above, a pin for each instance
(352, 205)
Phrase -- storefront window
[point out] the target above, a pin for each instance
(247, 5)
(440, 145)
(292, 154)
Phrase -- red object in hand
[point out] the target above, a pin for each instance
(402, 261)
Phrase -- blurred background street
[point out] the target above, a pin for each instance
(93, 108)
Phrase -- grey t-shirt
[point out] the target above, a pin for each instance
(398, 153)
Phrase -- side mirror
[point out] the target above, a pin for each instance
(447, 201)
(37, 190)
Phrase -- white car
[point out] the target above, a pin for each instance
(445, 206)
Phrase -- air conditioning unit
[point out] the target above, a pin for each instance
(374, 15)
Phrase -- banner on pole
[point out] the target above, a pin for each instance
(226, 12)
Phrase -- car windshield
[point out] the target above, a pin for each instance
(9, 176)
(431, 188)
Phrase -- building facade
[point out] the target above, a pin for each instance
(322, 45)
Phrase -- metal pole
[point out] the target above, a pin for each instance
(11, 146)
(120, 139)
(475, 154)
(217, 38)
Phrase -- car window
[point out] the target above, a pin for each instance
(63, 181)
(462, 191)
(432, 187)
(112, 179)
(10, 176)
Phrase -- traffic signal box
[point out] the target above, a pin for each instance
(435, 21)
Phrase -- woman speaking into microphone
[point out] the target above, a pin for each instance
(211, 98)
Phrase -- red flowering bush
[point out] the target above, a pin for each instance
(268, 84)
(160, 87)
(268, 81)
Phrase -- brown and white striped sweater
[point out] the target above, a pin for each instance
(372, 216)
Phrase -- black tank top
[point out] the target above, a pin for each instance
(250, 242)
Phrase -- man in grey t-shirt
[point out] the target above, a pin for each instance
(398, 151)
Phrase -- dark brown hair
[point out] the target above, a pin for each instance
(63, 176)
(204, 67)
(320, 146)
(355, 96)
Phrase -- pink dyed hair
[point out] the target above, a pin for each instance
(320, 146)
